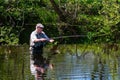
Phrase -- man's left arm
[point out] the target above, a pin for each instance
(47, 38)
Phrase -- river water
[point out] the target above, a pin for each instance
(69, 62)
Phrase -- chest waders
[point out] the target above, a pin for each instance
(37, 50)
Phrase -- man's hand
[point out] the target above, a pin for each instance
(51, 40)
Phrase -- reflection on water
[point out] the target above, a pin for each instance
(74, 62)
(14, 63)
(39, 65)
(88, 64)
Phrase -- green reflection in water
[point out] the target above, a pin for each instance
(74, 62)
(88, 62)
(14, 63)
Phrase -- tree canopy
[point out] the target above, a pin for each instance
(98, 19)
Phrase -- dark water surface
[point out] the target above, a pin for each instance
(73, 62)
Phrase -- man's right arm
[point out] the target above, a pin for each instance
(33, 37)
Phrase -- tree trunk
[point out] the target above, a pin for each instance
(61, 13)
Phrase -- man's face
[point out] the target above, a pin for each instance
(39, 30)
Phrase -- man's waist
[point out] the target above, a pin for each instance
(41, 46)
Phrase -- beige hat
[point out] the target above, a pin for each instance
(39, 25)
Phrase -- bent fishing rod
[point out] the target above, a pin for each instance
(70, 36)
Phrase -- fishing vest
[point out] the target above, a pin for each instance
(39, 44)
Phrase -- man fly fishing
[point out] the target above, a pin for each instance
(38, 38)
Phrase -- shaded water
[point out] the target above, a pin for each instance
(74, 62)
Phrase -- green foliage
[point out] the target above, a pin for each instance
(98, 19)
(110, 13)
(6, 37)
(110, 18)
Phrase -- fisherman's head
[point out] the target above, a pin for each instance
(39, 27)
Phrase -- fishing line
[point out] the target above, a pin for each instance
(70, 36)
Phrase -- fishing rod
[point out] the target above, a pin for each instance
(70, 36)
